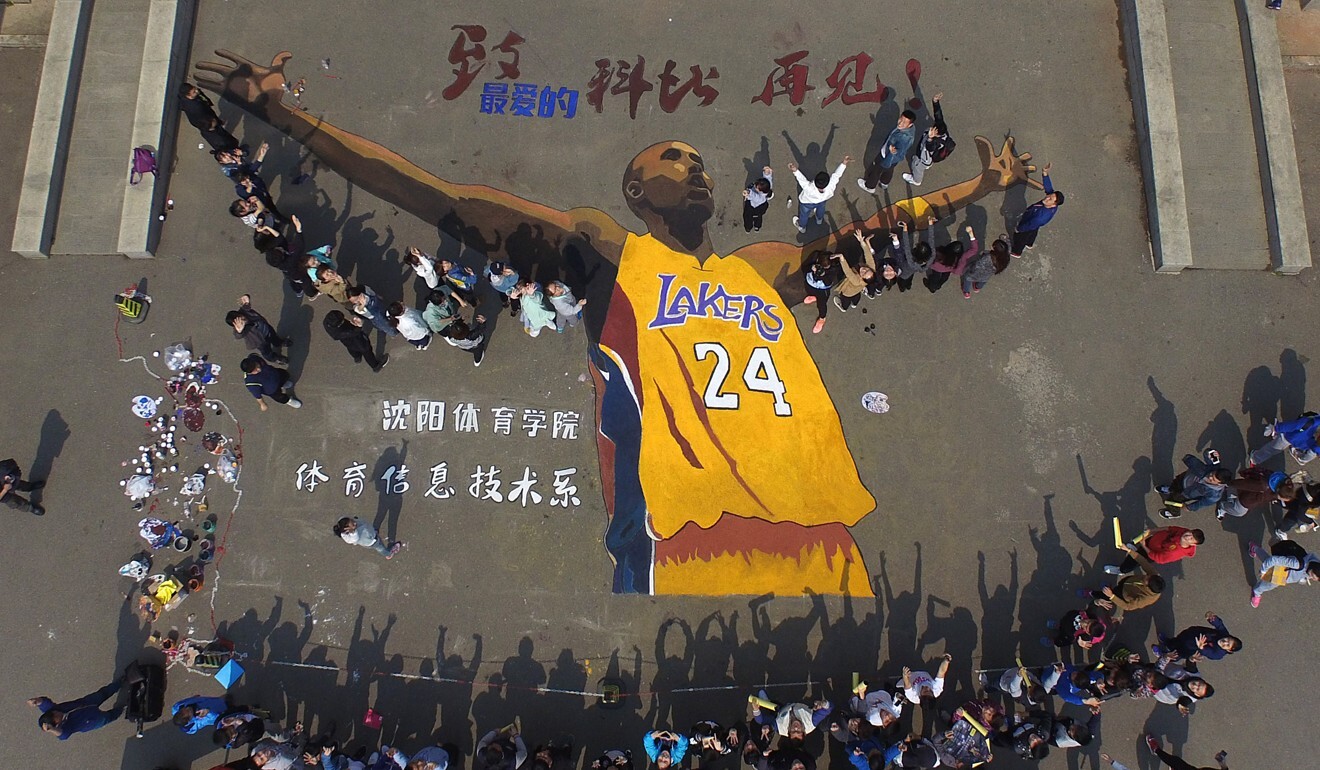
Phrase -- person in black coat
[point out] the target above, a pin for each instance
(286, 254)
(197, 107)
(348, 330)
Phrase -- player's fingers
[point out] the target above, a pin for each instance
(225, 53)
(216, 67)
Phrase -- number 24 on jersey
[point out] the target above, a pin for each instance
(759, 374)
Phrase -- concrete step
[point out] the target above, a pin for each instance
(105, 89)
(101, 142)
(1220, 166)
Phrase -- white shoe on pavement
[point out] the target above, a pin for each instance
(908, 178)
(295, 403)
(862, 184)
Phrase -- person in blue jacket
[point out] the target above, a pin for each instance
(64, 720)
(1202, 485)
(665, 748)
(1036, 216)
(1302, 436)
(193, 714)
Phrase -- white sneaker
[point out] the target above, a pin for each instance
(839, 304)
(1280, 535)
(862, 184)
(908, 178)
(799, 227)
(1112, 569)
(295, 403)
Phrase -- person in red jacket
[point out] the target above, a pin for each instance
(1162, 546)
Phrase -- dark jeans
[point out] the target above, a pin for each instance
(935, 280)
(1023, 240)
(877, 174)
(514, 304)
(822, 299)
(270, 348)
(1177, 763)
(1130, 563)
(17, 502)
(753, 215)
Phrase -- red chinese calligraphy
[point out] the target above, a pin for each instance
(509, 70)
(791, 78)
(463, 57)
(631, 81)
(849, 77)
(471, 60)
(598, 83)
(671, 97)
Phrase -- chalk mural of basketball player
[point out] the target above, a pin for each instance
(723, 463)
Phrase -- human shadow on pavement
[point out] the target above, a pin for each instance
(958, 632)
(523, 676)
(286, 643)
(789, 637)
(54, 432)
(759, 160)
(1127, 504)
(1163, 433)
(901, 610)
(454, 694)
(364, 663)
(672, 665)
(390, 488)
(815, 158)
(1046, 593)
(999, 640)
(248, 634)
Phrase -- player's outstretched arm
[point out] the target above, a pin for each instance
(477, 215)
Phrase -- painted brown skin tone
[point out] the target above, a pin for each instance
(666, 186)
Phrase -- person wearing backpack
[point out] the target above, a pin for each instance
(935, 146)
(1300, 436)
(1287, 564)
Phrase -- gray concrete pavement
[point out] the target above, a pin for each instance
(1077, 358)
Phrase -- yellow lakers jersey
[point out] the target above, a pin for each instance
(734, 415)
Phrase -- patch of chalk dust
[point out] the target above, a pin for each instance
(1048, 405)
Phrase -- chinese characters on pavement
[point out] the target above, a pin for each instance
(487, 481)
(850, 80)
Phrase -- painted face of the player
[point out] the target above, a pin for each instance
(670, 176)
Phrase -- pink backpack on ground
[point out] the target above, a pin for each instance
(144, 161)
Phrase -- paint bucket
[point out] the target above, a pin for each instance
(194, 585)
(208, 525)
(182, 543)
(205, 555)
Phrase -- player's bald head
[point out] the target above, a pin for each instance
(668, 176)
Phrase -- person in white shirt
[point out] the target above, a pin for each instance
(411, 325)
(423, 265)
(356, 531)
(921, 687)
(812, 195)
